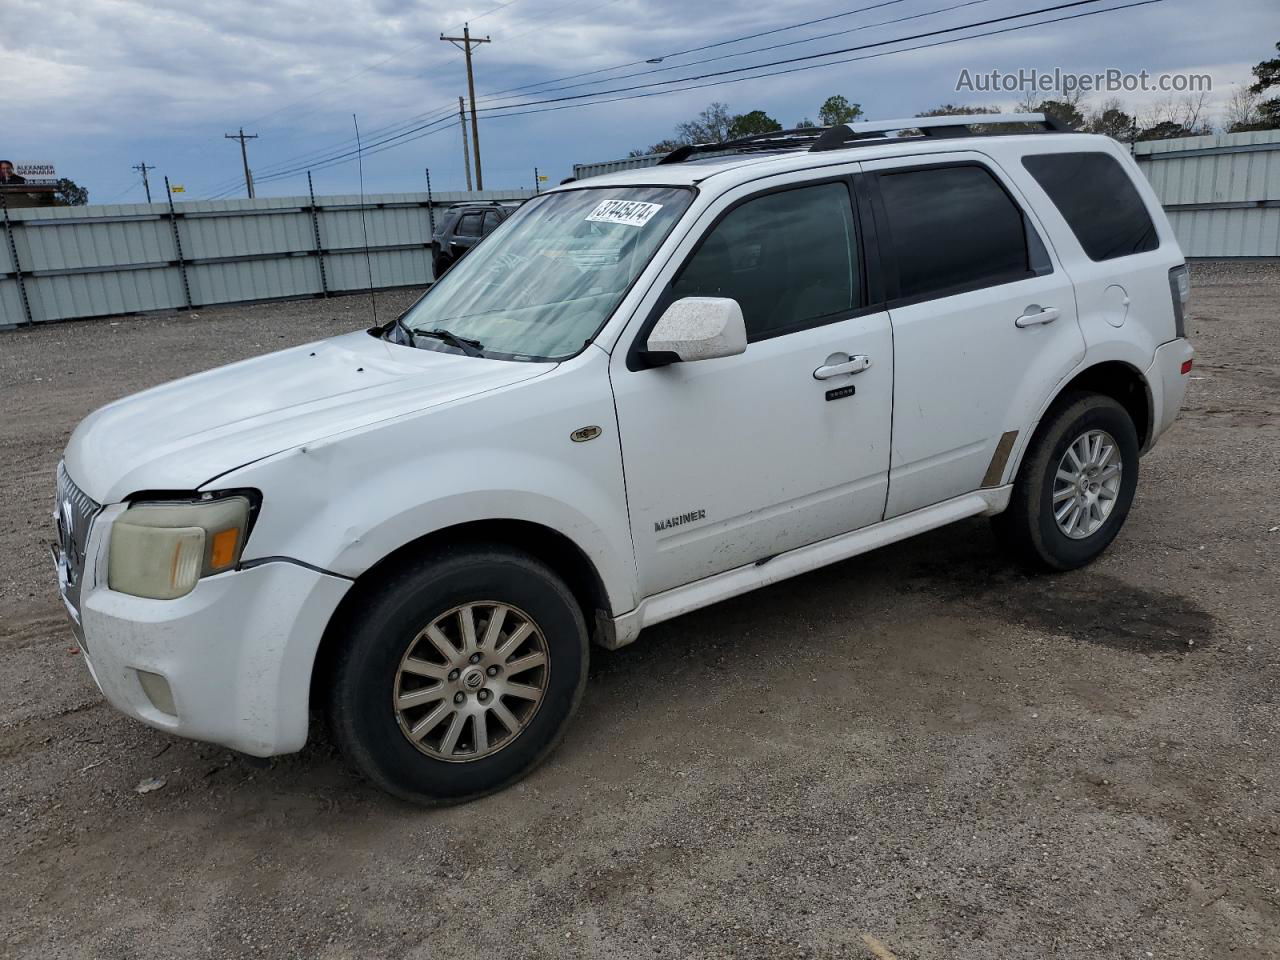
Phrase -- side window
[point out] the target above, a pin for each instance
(1098, 200)
(491, 221)
(469, 225)
(952, 229)
(788, 258)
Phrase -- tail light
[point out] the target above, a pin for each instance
(1180, 289)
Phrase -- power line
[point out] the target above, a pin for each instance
(816, 66)
(565, 103)
(807, 57)
(774, 46)
(407, 127)
(709, 46)
(222, 186)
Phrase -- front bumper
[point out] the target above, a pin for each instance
(1168, 384)
(235, 654)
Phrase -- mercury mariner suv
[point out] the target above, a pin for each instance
(646, 392)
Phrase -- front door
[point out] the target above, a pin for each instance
(984, 323)
(734, 460)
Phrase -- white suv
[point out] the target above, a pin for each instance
(643, 394)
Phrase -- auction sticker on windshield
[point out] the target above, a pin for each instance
(632, 213)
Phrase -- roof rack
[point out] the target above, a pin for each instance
(819, 139)
(774, 140)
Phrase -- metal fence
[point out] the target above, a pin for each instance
(57, 263)
(1221, 192)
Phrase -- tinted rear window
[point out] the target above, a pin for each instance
(1098, 200)
(952, 229)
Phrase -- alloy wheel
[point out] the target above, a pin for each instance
(1087, 484)
(471, 681)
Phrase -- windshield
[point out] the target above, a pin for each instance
(546, 281)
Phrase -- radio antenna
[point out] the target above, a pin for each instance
(364, 224)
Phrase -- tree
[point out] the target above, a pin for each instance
(836, 110)
(662, 146)
(1164, 130)
(1267, 75)
(750, 124)
(70, 194)
(1064, 111)
(1175, 117)
(955, 110)
(1110, 120)
(710, 126)
(805, 124)
(713, 125)
(1243, 112)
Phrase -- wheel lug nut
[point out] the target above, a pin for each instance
(459, 697)
(492, 671)
(475, 658)
(453, 674)
(484, 695)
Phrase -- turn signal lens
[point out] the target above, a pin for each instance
(222, 549)
(1186, 367)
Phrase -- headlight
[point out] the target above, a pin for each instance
(160, 550)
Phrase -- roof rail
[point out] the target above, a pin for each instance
(774, 140)
(955, 125)
(819, 139)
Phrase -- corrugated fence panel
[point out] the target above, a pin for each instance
(1227, 233)
(262, 279)
(68, 295)
(10, 304)
(122, 258)
(1221, 192)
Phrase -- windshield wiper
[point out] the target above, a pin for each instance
(468, 346)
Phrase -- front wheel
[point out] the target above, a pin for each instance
(459, 676)
(1076, 484)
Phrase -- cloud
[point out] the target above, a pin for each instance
(91, 83)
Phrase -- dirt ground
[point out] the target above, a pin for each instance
(922, 745)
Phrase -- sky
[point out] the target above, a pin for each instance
(97, 86)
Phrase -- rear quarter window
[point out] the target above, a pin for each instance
(1095, 196)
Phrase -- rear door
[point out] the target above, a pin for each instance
(467, 234)
(984, 322)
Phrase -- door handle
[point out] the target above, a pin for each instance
(855, 364)
(1034, 315)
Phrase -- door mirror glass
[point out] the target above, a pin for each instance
(697, 328)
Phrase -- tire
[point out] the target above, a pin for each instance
(1029, 527)
(383, 703)
(439, 264)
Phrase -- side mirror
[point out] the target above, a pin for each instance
(697, 328)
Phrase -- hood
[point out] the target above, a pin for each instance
(183, 434)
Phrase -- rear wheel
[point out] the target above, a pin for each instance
(459, 676)
(1076, 484)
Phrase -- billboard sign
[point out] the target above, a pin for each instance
(27, 174)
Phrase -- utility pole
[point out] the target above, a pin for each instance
(466, 154)
(244, 156)
(467, 42)
(142, 168)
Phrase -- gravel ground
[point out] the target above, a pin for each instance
(923, 745)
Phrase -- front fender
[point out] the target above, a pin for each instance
(347, 502)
